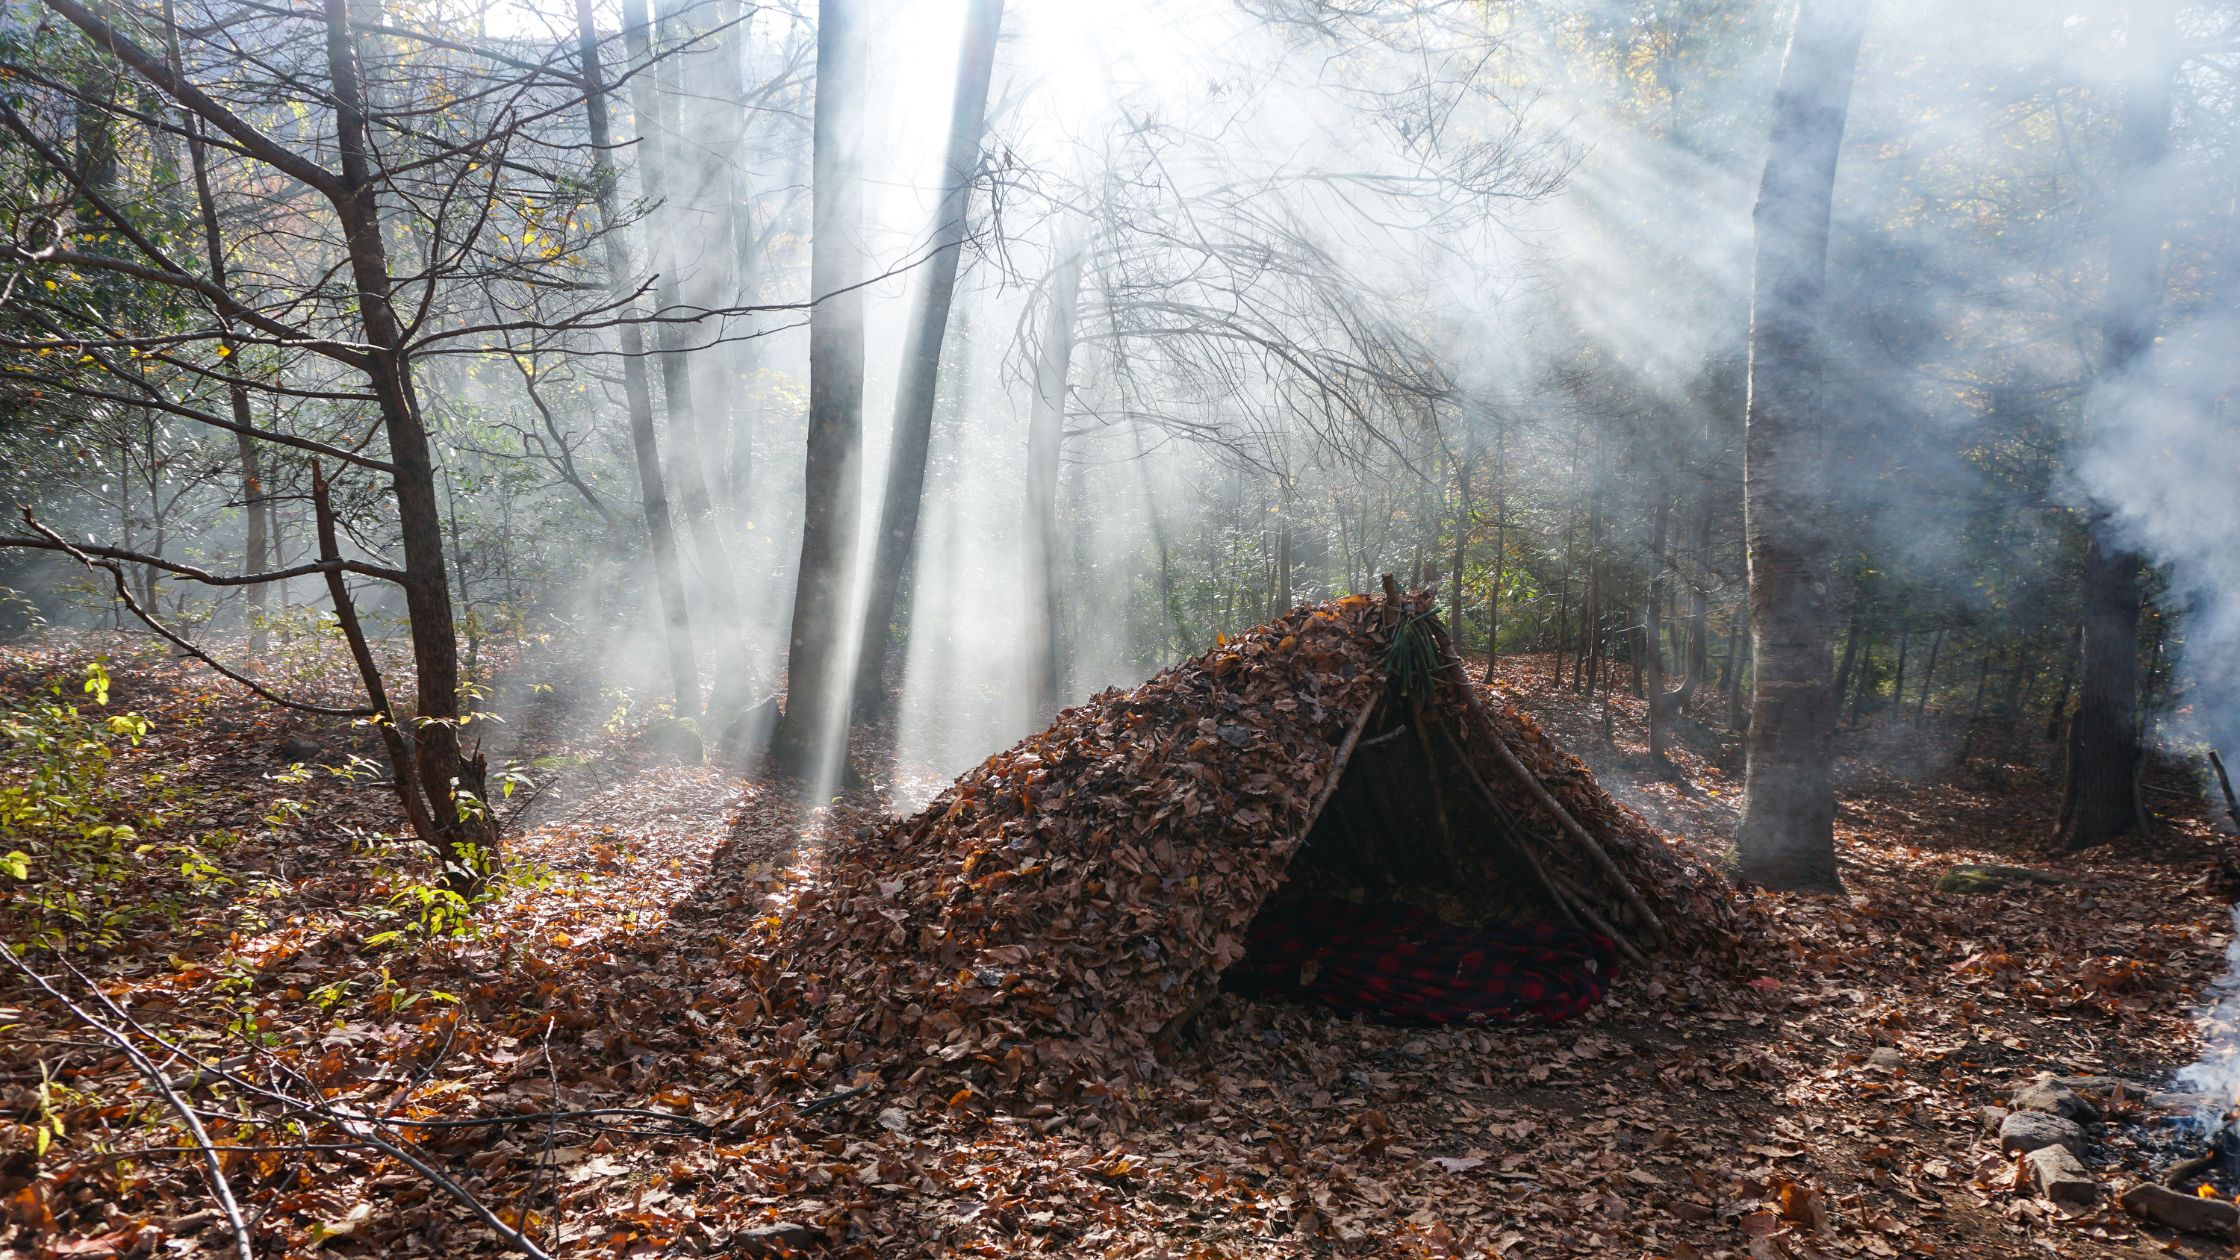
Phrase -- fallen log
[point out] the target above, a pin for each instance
(2186, 1213)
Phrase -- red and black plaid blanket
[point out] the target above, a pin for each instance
(1397, 963)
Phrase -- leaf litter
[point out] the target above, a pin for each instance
(662, 959)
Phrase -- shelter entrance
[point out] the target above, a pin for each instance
(1409, 901)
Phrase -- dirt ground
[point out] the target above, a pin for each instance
(1690, 1116)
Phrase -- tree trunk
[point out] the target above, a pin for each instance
(256, 551)
(1898, 676)
(1501, 558)
(1461, 540)
(1928, 675)
(1787, 836)
(664, 183)
(1738, 647)
(812, 734)
(451, 781)
(1975, 707)
(917, 385)
(2099, 792)
(645, 445)
(2100, 789)
(1045, 435)
(1851, 636)
(1652, 657)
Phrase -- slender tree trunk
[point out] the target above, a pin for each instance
(1699, 606)
(451, 780)
(812, 735)
(1975, 706)
(1851, 637)
(1461, 540)
(1652, 635)
(645, 444)
(2100, 791)
(652, 95)
(1928, 675)
(2057, 713)
(1045, 436)
(1787, 836)
(1898, 676)
(918, 383)
(1501, 556)
(1861, 681)
(1738, 648)
(256, 512)
(1283, 599)
(1594, 613)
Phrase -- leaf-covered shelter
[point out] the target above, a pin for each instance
(1055, 915)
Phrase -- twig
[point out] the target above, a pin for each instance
(212, 1167)
(832, 1099)
(1385, 738)
(353, 1126)
(2231, 803)
(124, 596)
(1338, 765)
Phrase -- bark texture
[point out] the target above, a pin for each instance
(812, 733)
(1787, 837)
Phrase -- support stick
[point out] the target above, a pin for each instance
(1547, 800)
(2231, 803)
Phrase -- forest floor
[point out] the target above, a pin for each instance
(1692, 1115)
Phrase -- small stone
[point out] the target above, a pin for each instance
(1887, 1057)
(1992, 1118)
(2181, 1102)
(2025, 1131)
(2192, 1214)
(2055, 1099)
(2061, 1176)
(2097, 1084)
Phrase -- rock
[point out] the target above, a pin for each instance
(2061, 1176)
(1887, 1057)
(2180, 1102)
(2191, 1214)
(2054, 1099)
(296, 748)
(2100, 1085)
(672, 739)
(2025, 1131)
(1992, 1118)
(747, 735)
(1990, 878)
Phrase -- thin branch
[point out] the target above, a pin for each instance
(148, 1070)
(124, 595)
